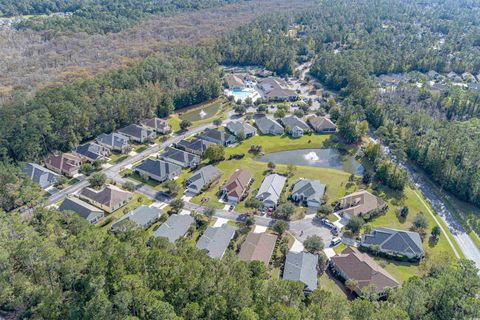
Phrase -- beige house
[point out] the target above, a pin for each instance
(258, 246)
(322, 124)
(360, 203)
(109, 198)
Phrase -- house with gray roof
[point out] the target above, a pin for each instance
(301, 266)
(138, 133)
(237, 128)
(42, 176)
(157, 124)
(269, 126)
(395, 242)
(180, 157)
(295, 126)
(196, 146)
(83, 209)
(218, 137)
(322, 124)
(114, 141)
(216, 240)
(92, 151)
(309, 192)
(175, 227)
(202, 178)
(143, 217)
(271, 189)
(109, 198)
(158, 170)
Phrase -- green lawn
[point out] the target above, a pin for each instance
(174, 122)
(475, 238)
(329, 284)
(116, 157)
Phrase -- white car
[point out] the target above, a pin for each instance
(335, 241)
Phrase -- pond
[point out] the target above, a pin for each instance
(321, 158)
(200, 113)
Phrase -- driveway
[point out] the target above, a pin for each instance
(310, 227)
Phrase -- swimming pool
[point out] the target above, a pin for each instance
(242, 94)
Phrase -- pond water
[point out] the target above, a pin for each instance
(201, 113)
(321, 158)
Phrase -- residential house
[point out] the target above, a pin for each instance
(238, 128)
(276, 89)
(322, 124)
(360, 203)
(182, 158)
(109, 198)
(138, 133)
(439, 86)
(265, 73)
(142, 217)
(270, 190)
(202, 178)
(395, 242)
(237, 185)
(295, 126)
(114, 141)
(452, 75)
(467, 76)
(309, 192)
(258, 246)
(196, 146)
(215, 240)
(269, 126)
(433, 74)
(302, 266)
(92, 151)
(42, 176)
(357, 266)
(83, 209)
(473, 86)
(389, 80)
(216, 136)
(175, 227)
(158, 125)
(64, 163)
(234, 82)
(158, 170)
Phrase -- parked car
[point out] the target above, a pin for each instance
(334, 231)
(335, 241)
(327, 223)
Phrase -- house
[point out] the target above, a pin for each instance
(138, 133)
(276, 89)
(42, 176)
(64, 163)
(182, 158)
(309, 192)
(234, 82)
(92, 151)
(433, 74)
(158, 170)
(196, 146)
(295, 127)
(439, 86)
(109, 198)
(357, 266)
(216, 240)
(202, 178)
(114, 141)
(267, 125)
(143, 217)
(389, 80)
(157, 124)
(83, 209)
(270, 190)
(237, 185)
(258, 246)
(321, 124)
(473, 86)
(175, 227)
(395, 242)
(452, 75)
(237, 128)
(301, 266)
(265, 73)
(216, 136)
(467, 76)
(360, 203)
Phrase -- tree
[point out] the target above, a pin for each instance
(351, 284)
(280, 113)
(291, 168)
(239, 109)
(185, 124)
(241, 136)
(97, 180)
(299, 113)
(253, 203)
(436, 232)
(420, 221)
(172, 187)
(209, 212)
(217, 122)
(87, 169)
(60, 182)
(280, 227)
(354, 224)
(177, 205)
(313, 244)
(271, 166)
(404, 212)
(324, 210)
(215, 153)
(129, 186)
(285, 211)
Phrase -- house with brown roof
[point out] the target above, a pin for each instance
(158, 125)
(234, 82)
(360, 203)
(321, 124)
(258, 246)
(276, 89)
(109, 198)
(236, 186)
(64, 163)
(351, 264)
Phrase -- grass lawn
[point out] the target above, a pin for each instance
(475, 238)
(116, 157)
(174, 122)
(136, 201)
(329, 284)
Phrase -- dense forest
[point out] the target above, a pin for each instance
(58, 266)
(95, 16)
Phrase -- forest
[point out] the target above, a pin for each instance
(58, 266)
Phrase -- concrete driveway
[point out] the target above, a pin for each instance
(310, 227)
